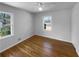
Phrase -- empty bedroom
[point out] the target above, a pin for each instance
(39, 29)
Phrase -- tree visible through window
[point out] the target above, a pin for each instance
(5, 24)
(47, 23)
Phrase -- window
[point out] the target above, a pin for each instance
(6, 24)
(47, 22)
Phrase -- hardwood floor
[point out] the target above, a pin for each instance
(38, 46)
(0, 55)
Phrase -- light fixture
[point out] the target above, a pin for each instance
(40, 8)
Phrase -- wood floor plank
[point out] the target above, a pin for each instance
(38, 46)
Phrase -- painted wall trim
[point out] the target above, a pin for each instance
(55, 38)
(75, 49)
(77, 52)
(15, 43)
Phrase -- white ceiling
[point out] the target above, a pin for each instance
(32, 6)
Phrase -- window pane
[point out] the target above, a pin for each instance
(7, 17)
(5, 31)
(1, 15)
(5, 26)
(47, 19)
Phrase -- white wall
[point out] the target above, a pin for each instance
(25, 26)
(61, 25)
(75, 27)
(22, 26)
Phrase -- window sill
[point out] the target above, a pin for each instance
(5, 37)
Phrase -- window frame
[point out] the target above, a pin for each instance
(11, 25)
(47, 23)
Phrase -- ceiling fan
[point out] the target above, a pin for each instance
(44, 5)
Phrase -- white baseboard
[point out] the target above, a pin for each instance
(15, 44)
(31, 36)
(64, 41)
(75, 49)
(27, 38)
(78, 53)
(56, 38)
